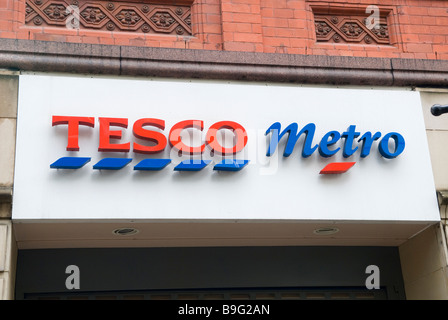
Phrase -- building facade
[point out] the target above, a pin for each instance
(318, 172)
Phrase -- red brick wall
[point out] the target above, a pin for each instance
(417, 29)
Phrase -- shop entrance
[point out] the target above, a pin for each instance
(230, 273)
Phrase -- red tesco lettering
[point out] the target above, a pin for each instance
(141, 130)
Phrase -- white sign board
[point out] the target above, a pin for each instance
(268, 188)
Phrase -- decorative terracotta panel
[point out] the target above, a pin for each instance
(110, 16)
(349, 27)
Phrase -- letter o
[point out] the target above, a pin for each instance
(238, 130)
(384, 145)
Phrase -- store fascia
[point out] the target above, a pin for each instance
(350, 161)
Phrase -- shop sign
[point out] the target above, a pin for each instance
(136, 149)
(141, 129)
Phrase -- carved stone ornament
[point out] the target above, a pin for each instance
(56, 12)
(93, 15)
(117, 16)
(338, 27)
(322, 28)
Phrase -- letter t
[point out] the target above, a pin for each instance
(349, 136)
(73, 128)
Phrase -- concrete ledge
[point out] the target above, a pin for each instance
(42, 56)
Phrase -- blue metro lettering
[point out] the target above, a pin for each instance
(330, 139)
(384, 145)
(349, 136)
(367, 140)
(334, 137)
(293, 136)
